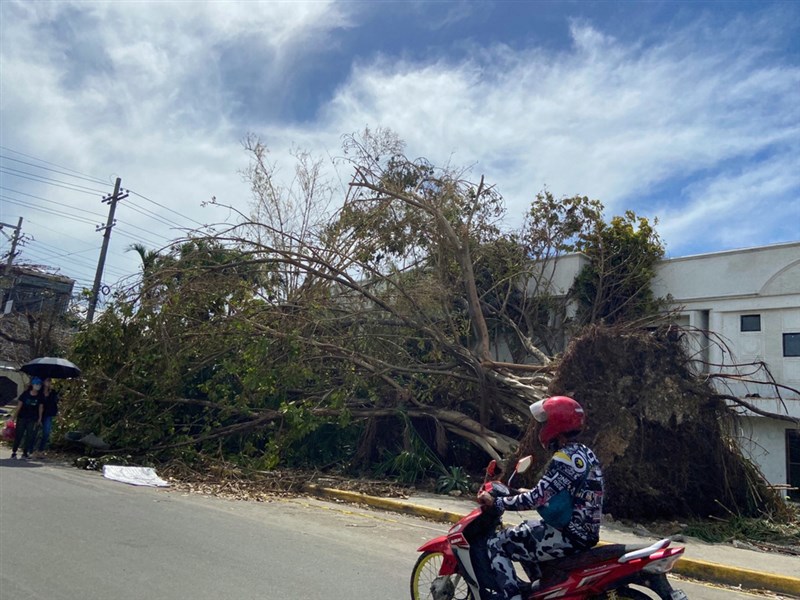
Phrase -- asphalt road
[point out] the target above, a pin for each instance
(67, 534)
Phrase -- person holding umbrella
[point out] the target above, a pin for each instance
(50, 403)
(42, 370)
(28, 416)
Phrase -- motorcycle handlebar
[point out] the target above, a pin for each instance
(500, 489)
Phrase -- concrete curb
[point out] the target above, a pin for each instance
(698, 569)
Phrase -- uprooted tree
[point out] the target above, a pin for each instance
(398, 331)
(665, 436)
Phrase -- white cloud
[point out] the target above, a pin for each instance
(136, 90)
(162, 94)
(733, 209)
(602, 119)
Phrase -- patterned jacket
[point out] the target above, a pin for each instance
(566, 471)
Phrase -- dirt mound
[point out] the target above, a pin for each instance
(666, 444)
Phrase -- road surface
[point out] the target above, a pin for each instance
(67, 534)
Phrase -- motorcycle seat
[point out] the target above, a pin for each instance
(557, 570)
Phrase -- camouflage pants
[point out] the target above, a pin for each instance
(528, 542)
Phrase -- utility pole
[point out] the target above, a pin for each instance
(7, 276)
(14, 240)
(112, 200)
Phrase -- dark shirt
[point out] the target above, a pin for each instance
(30, 405)
(50, 404)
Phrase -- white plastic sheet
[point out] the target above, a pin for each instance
(134, 475)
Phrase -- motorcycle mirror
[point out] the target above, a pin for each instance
(491, 469)
(524, 463)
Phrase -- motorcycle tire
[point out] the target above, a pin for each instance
(426, 570)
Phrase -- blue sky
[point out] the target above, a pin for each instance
(688, 112)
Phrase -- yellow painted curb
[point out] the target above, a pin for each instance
(386, 503)
(698, 569)
(708, 571)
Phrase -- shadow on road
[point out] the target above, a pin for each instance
(20, 463)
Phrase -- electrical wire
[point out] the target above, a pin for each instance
(155, 216)
(134, 237)
(62, 170)
(50, 248)
(54, 202)
(90, 179)
(166, 208)
(148, 231)
(72, 237)
(77, 262)
(97, 180)
(46, 210)
(50, 181)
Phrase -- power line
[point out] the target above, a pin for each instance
(167, 208)
(43, 254)
(67, 270)
(72, 237)
(143, 211)
(51, 252)
(152, 215)
(97, 180)
(52, 248)
(91, 179)
(47, 210)
(134, 237)
(148, 231)
(53, 202)
(50, 181)
(137, 238)
(85, 189)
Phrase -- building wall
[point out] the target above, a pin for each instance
(12, 384)
(768, 270)
(763, 440)
(715, 291)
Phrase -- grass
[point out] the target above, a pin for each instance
(761, 530)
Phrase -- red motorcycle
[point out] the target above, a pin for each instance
(456, 566)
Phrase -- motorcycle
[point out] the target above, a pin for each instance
(456, 566)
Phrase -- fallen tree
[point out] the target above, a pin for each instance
(664, 434)
(409, 299)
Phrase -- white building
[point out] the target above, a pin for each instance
(749, 302)
(741, 307)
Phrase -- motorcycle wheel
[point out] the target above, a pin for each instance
(426, 571)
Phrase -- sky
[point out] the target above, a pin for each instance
(686, 112)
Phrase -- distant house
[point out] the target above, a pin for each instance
(25, 291)
(32, 291)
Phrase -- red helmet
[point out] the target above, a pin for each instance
(558, 414)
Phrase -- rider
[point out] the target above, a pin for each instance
(574, 468)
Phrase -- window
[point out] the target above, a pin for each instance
(751, 323)
(793, 462)
(791, 344)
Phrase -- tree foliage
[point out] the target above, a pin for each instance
(615, 286)
(406, 330)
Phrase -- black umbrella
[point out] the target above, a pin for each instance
(50, 366)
